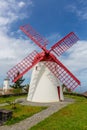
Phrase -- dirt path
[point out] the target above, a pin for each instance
(36, 118)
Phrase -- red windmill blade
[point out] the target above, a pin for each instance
(25, 65)
(64, 44)
(35, 36)
(62, 73)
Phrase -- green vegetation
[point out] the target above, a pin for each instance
(10, 98)
(21, 112)
(18, 83)
(72, 117)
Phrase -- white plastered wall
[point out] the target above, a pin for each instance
(43, 85)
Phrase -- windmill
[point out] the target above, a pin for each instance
(48, 72)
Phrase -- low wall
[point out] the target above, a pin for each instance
(75, 94)
(16, 94)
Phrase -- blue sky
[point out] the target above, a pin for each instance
(53, 19)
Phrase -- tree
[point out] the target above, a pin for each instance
(18, 83)
(65, 88)
(26, 88)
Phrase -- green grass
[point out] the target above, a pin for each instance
(72, 117)
(11, 98)
(21, 112)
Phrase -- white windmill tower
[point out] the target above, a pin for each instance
(44, 86)
(48, 72)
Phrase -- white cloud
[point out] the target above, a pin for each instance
(12, 49)
(79, 9)
(77, 55)
(21, 4)
(82, 2)
(12, 10)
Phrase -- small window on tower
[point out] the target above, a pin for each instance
(36, 67)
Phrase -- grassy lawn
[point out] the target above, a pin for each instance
(11, 98)
(72, 117)
(22, 112)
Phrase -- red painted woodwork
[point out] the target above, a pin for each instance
(64, 44)
(35, 36)
(58, 89)
(25, 65)
(62, 73)
(54, 65)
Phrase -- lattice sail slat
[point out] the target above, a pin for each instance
(64, 44)
(35, 36)
(21, 68)
(63, 74)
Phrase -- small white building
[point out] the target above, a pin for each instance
(6, 85)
